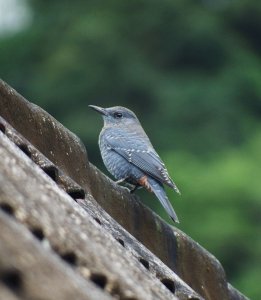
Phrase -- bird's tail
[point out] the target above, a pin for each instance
(158, 190)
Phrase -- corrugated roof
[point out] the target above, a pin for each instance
(69, 232)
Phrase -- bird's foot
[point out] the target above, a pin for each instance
(120, 180)
(131, 187)
(136, 187)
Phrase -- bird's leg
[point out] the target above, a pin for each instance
(133, 188)
(136, 187)
(120, 180)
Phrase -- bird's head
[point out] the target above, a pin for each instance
(116, 116)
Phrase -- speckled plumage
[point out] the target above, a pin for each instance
(129, 155)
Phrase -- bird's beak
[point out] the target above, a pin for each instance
(99, 109)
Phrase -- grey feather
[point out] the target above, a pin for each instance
(160, 193)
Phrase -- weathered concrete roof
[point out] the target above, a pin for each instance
(69, 232)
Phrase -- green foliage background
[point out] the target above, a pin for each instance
(191, 70)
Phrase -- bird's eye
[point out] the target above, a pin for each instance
(117, 115)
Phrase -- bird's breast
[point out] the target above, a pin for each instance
(115, 163)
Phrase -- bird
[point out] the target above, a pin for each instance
(129, 156)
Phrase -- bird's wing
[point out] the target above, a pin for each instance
(140, 153)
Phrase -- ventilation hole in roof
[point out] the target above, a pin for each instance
(38, 233)
(121, 242)
(77, 194)
(25, 149)
(7, 208)
(52, 172)
(115, 290)
(145, 263)
(69, 257)
(169, 284)
(97, 220)
(99, 279)
(193, 298)
(2, 127)
(12, 279)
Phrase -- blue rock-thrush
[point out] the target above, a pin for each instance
(129, 155)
